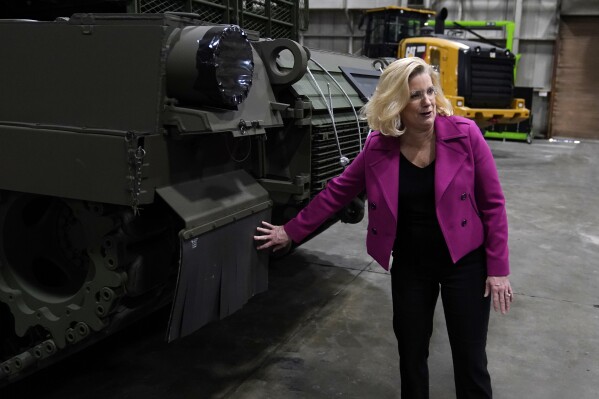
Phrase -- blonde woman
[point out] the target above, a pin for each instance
(436, 205)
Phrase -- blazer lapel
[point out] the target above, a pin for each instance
(384, 162)
(450, 154)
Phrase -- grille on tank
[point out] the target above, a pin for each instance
(325, 153)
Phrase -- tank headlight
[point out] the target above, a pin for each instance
(459, 103)
(210, 65)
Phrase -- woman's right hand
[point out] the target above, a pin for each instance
(274, 236)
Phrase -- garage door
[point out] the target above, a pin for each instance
(575, 102)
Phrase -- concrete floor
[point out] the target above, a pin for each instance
(323, 330)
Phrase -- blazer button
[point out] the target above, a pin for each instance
(373, 230)
(372, 205)
(463, 197)
(464, 222)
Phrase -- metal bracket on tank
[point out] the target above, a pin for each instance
(87, 23)
(246, 127)
(269, 51)
(135, 157)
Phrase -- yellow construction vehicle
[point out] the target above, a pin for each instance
(387, 26)
(477, 77)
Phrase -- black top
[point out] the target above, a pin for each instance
(419, 237)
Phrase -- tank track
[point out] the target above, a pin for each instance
(64, 272)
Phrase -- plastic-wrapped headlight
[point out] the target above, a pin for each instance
(210, 65)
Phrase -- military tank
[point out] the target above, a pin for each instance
(138, 153)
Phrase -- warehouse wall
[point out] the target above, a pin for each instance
(584, 8)
(334, 26)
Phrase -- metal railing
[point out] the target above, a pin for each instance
(271, 18)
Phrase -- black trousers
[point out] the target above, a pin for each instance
(415, 289)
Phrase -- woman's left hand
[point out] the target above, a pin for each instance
(500, 288)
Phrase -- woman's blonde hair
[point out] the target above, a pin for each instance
(392, 95)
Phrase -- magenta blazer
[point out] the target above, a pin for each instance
(468, 197)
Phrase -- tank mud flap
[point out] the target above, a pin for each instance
(219, 267)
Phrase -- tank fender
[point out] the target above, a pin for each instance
(219, 266)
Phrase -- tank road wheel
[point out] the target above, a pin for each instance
(58, 272)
